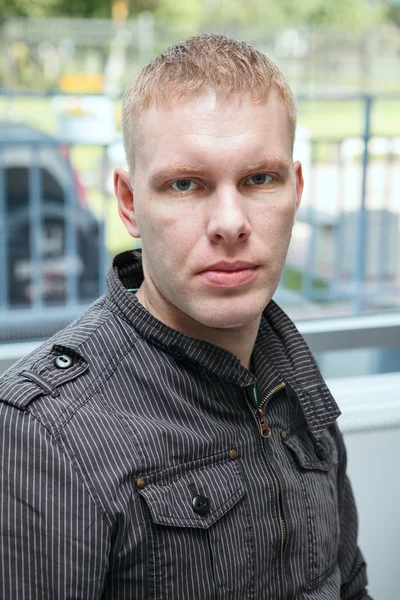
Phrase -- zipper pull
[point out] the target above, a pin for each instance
(265, 431)
(262, 421)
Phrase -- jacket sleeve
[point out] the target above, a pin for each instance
(351, 561)
(54, 542)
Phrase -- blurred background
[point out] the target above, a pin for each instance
(63, 68)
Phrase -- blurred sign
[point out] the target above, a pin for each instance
(85, 119)
(120, 10)
(81, 83)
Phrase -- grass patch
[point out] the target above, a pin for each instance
(36, 112)
(293, 280)
(335, 119)
(324, 118)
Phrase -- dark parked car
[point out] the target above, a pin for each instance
(52, 227)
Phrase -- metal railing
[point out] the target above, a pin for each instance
(365, 331)
(53, 257)
(346, 244)
(41, 52)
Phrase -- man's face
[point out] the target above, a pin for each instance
(215, 193)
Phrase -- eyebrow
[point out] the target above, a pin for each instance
(267, 163)
(175, 171)
(275, 163)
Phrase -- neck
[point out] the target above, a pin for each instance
(238, 340)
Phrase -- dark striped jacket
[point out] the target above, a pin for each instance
(135, 464)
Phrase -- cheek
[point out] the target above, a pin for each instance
(168, 239)
(276, 234)
(279, 219)
(169, 225)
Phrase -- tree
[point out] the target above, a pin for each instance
(27, 8)
(393, 11)
(196, 13)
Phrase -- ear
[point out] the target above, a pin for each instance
(126, 203)
(299, 182)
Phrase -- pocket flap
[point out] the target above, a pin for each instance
(309, 454)
(170, 495)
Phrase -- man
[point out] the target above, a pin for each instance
(177, 441)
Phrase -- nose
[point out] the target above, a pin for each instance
(228, 220)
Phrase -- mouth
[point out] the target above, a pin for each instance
(228, 274)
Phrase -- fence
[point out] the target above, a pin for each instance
(52, 247)
(347, 241)
(102, 55)
(55, 194)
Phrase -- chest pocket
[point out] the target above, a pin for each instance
(318, 463)
(201, 532)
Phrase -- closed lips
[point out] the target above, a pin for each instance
(229, 267)
(228, 274)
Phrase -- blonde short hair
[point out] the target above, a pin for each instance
(202, 62)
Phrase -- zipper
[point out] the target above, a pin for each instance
(265, 431)
(281, 517)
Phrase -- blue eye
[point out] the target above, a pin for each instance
(184, 185)
(258, 179)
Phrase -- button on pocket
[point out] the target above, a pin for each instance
(198, 512)
(201, 505)
(317, 464)
(63, 361)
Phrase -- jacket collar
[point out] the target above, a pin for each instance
(280, 352)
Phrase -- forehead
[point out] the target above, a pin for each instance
(213, 131)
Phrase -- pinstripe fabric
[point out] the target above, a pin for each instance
(102, 461)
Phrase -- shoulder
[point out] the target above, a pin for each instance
(46, 389)
(76, 356)
(51, 413)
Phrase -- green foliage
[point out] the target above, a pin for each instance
(82, 8)
(27, 8)
(208, 13)
(340, 13)
(344, 13)
(187, 12)
(393, 12)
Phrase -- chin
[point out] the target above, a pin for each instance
(228, 319)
